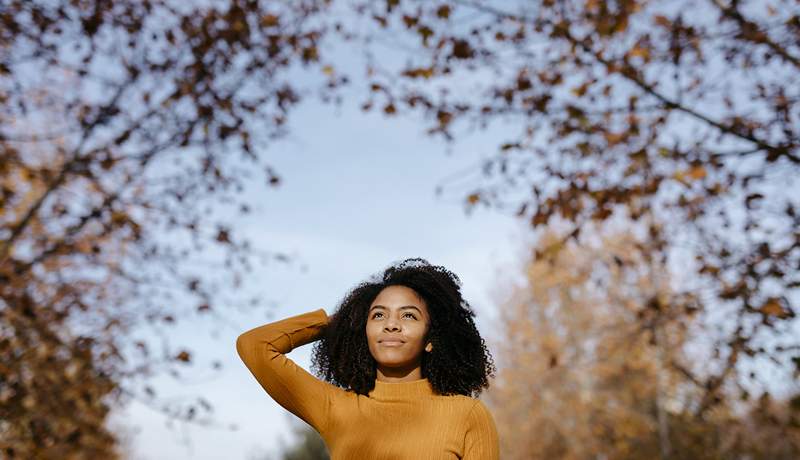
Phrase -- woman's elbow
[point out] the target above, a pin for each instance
(243, 345)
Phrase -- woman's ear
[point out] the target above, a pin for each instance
(428, 336)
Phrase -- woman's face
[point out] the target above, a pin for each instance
(397, 322)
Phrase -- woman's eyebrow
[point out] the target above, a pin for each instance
(404, 307)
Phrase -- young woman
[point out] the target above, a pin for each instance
(402, 363)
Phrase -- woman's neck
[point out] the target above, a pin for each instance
(394, 375)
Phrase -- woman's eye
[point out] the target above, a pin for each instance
(411, 315)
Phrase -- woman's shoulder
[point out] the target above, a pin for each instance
(466, 409)
(462, 402)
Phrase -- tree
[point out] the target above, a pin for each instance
(683, 113)
(306, 444)
(589, 362)
(124, 128)
(586, 341)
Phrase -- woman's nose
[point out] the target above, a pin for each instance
(392, 325)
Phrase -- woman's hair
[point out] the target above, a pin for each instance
(459, 362)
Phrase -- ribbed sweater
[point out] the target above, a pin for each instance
(397, 421)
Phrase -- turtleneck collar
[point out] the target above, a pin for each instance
(402, 390)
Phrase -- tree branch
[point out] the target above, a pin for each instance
(763, 38)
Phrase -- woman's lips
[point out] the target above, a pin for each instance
(391, 343)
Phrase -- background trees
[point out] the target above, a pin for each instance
(591, 351)
(306, 444)
(127, 132)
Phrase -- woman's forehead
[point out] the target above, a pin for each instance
(399, 296)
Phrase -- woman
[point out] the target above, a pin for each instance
(401, 360)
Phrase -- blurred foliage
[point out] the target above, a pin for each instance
(590, 349)
(305, 444)
(121, 125)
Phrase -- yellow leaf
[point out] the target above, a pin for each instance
(327, 70)
(688, 175)
(697, 172)
(638, 51)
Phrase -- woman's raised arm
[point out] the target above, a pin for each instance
(263, 350)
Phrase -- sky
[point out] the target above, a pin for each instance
(358, 194)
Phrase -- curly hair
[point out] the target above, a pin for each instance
(459, 362)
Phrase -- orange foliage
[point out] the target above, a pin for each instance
(593, 343)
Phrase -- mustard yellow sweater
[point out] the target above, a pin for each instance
(397, 421)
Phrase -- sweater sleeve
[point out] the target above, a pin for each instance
(480, 441)
(263, 350)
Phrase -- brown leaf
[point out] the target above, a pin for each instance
(614, 138)
(462, 49)
(419, 72)
(662, 21)
(773, 307)
(581, 90)
(223, 236)
(270, 20)
(539, 218)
